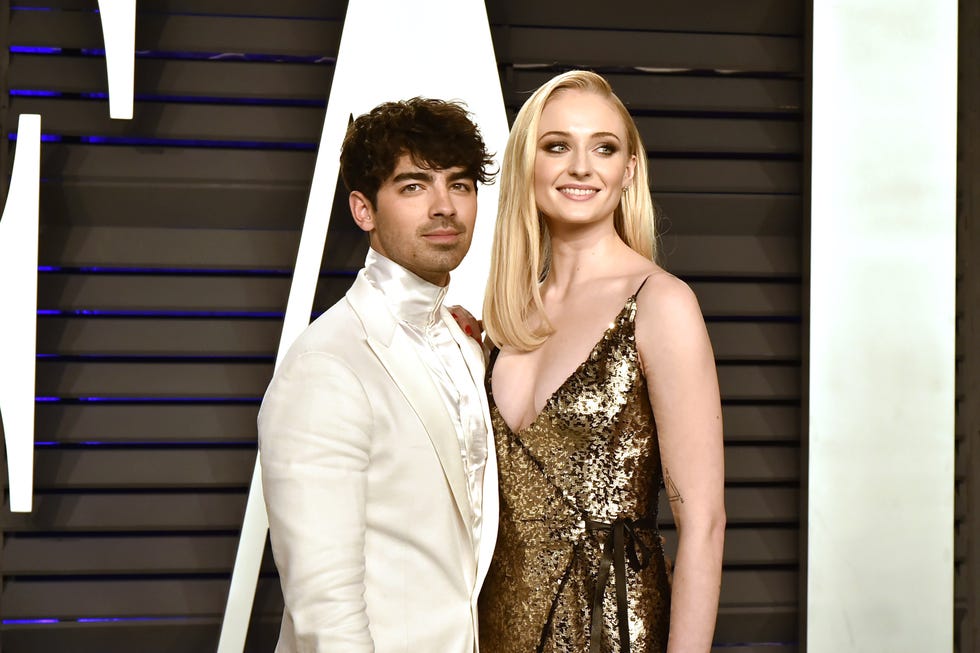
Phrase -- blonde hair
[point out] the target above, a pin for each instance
(521, 254)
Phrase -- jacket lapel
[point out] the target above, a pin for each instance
(475, 361)
(409, 374)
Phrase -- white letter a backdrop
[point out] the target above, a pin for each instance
(388, 51)
(18, 296)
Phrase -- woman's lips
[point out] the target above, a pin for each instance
(578, 193)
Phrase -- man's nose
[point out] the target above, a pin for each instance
(442, 202)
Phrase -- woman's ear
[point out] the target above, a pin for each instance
(362, 211)
(630, 171)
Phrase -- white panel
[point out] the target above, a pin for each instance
(18, 297)
(881, 439)
(388, 51)
(119, 31)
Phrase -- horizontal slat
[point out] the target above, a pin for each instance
(753, 423)
(759, 382)
(113, 512)
(183, 204)
(113, 292)
(597, 48)
(249, 380)
(310, 82)
(172, 168)
(182, 33)
(206, 597)
(726, 214)
(222, 511)
(745, 256)
(775, 628)
(769, 625)
(748, 299)
(753, 546)
(741, 341)
(215, 122)
(158, 337)
(236, 423)
(755, 16)
(248, 249)
(518, 45)
(140, 468)
(763, 341)
(199, 634)
(107, 555)
(299, 8)
(215, 554)
(762, 464)
(143, 468)
(283, 206)
(184, 635)
(180, 423)
(750, 136)
(762, 16)
(116, 292)
(678, 92)
(176, 78)
(291, 124)
(235, 380)
(724, 176)
(31, 599)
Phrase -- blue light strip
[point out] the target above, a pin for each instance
(214, 272)
(45, 138)
(148, 400)
(22, 92)
(88, 620)
(28, 49)
(195, 142)
(185, 99)
(160, 313)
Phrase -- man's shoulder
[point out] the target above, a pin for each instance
(332, 332)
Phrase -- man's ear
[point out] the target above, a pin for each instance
(361, 210)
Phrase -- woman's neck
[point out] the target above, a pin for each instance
(583, 255)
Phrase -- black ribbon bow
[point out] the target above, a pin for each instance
(621, 545)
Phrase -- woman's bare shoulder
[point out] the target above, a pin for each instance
(667, 306)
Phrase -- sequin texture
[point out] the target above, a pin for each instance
(592, 455)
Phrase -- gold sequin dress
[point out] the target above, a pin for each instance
(578, 510)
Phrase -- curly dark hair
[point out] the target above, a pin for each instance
(435, 133)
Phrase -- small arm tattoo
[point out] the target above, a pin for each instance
(673, 494)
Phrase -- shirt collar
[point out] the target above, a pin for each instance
(409, 297)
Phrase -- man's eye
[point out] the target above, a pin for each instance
(462, 186)
(411, 188)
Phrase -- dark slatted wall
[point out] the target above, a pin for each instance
(166, 248)
(967, 548)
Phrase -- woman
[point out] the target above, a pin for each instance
(603, 390)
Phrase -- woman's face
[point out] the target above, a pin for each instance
(581, 163)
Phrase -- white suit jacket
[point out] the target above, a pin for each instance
(369, 517)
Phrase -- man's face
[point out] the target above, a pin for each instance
(423, 219)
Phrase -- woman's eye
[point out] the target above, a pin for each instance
(557, 147)
(606, 148)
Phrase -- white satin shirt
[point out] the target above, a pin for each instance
(415, 303)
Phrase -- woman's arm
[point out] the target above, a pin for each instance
(683, 384)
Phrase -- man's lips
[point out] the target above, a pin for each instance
(441, 235)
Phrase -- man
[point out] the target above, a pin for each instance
(378, 467)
